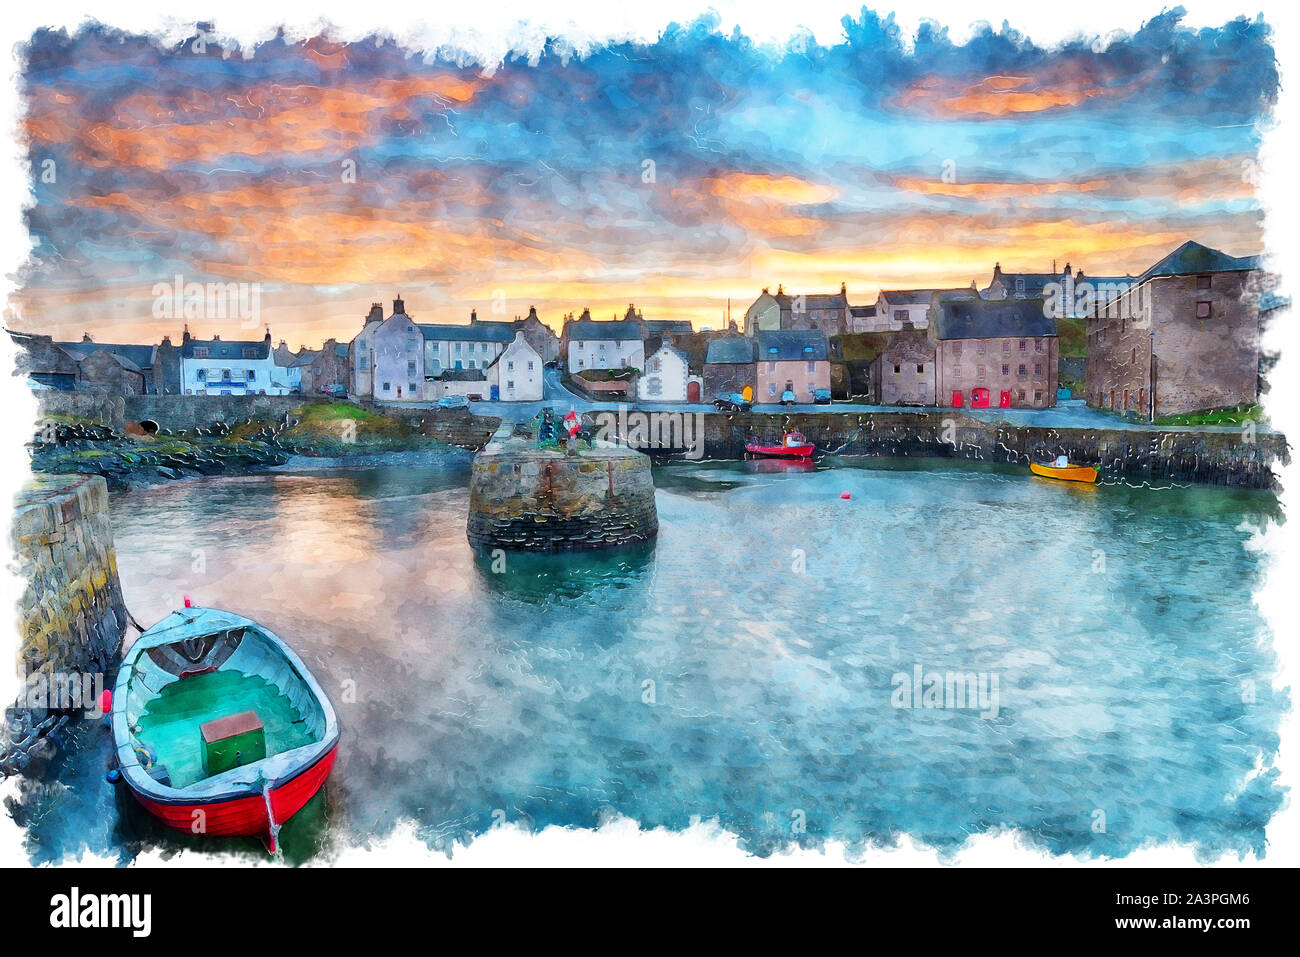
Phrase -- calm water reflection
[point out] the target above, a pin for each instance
(741, 670)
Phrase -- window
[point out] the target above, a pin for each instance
(388, 387)
(979, 348)
(956, 348)
(1006, 346)
(1020, 394)
(1038, 368)
(1006, 369)
(249, 353)
(456, 348)
(812, 388)
(363, 362)
(472, 365)
(897, 368)
(252, 375)
(920, 368)
(411, 389)
(956, 372)
(1038, 395)
(410, 347)
(771, 388)
(771, 368)
(579, 343)
(1020, 285)
(1038, 345)
(510, 384)
(530, 365)
(200, 352)
(1202, 282)
(812, 367)
(201, 374)
(1023, 344)
(410, 367)
(1021, 371)
(979, 372)
(1202, 310)
(510, 365)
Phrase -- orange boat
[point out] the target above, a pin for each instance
(794, 445)
(1065, 472)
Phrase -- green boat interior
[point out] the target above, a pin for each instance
(204, 704)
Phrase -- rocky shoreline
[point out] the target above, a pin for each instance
(141, 460)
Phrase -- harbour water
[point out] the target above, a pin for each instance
(755, 668)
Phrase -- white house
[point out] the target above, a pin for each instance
(213, 367)
(517, 372)
(604, 345)
(454, 346)
(666, 376)
(398, 346)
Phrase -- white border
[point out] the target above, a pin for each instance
(491, 28)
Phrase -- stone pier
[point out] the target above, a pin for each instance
(525, 498)
(71, 618)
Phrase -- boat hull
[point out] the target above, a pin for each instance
(1071, 473)
(243, 816)
(782, 451)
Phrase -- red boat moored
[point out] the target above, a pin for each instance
(794, 445)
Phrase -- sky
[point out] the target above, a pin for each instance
(675, 175)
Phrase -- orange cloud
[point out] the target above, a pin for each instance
(158, 132)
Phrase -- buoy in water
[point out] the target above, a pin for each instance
(113, 776)
(845, 495)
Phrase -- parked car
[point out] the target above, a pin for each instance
(335, 390)
(453, 402)
(732, 402)
(789, 398)
(822, 397)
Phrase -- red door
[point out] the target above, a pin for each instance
(692, 392)
(1004, 400)
(956, 400)
(979, 398)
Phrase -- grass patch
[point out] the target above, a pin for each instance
(1236, 415)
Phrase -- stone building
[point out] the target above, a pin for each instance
(167, 368)
(908, 308)
(729, 367)
(517, 372)
(1183, 338)
(361, 353)
(827, 313)
(603, 345)
(790, 360)
(904, 371)
(539, 335)
(994, 353)
(459, 346)
(45, 364)
(398, 349)
(328, 367)
(104, 371)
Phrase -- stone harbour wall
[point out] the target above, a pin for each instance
(1232, 457)
(525, 499)
(71, 619)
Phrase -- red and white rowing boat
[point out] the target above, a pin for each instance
(219, 728)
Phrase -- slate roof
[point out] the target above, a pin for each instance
(674, 326)
(139, 357)
(306, 359)
(790, 344)
(923, 296)
(620, 331)
(1191, 258)
(732, 350)
(462, 375)
(993, 319)
(221, 349)
(478, 332)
